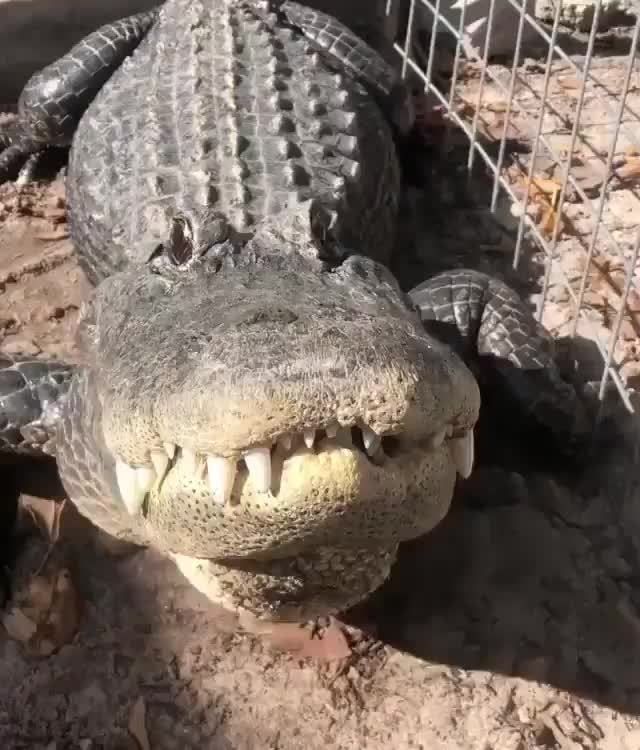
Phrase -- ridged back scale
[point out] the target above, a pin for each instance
(222, 109)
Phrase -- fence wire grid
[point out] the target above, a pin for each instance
(575, 191)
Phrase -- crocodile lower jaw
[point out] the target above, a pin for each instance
(264, 468)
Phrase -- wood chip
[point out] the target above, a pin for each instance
(137, 724)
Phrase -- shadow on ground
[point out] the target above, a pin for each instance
(535, 571)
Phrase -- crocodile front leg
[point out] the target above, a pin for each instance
(55, 98)
(493, 330)
(31, 395)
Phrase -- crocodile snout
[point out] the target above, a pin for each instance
(289, 390)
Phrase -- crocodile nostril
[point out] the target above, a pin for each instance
(270, 315)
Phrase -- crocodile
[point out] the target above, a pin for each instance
(257, 396)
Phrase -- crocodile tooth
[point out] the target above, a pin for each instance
(132, 495)
(221, 472)
(462, 453)
(371, 440)
(286, 442)
(145, 478)
(160, 461)
(171, 449)
(331, 431)
(191, 462)
(309, 438)
(437, 440)
(258, 463)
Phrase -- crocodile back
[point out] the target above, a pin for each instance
(220, 108)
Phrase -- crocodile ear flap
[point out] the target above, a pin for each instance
(180, 247)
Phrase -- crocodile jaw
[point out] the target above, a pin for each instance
(204, 377)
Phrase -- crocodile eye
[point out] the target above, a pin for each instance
(180, 246)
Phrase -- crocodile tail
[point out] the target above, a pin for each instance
(32, 392)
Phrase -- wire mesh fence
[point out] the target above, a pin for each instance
(554, 122)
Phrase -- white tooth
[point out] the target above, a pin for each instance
(437, 440)
(258, 462)
(145, 478)
(286, 442)
(332, 431)
(462, 453)
(190, 460)
(171, 449)
(132, 495)
(309, 438)
(371, 440)
(160, 461)
(222, 472)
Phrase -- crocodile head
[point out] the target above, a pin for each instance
(257, 400)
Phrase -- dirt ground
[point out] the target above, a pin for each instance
(514, 625)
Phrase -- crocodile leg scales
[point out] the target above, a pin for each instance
(55, 98)
(31, 394)
(490, 325)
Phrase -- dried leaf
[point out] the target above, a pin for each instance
(630, 169)
(64, 615)
(45, 514)
(549, 220)
(62, 234)
(47, 613)
(18, 626)
(569, 82)
(545, 192)
(546, 185)
(137, 724)
(329, 645)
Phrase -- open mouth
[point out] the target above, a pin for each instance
(135, 483)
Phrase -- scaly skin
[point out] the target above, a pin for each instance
(260, 399)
